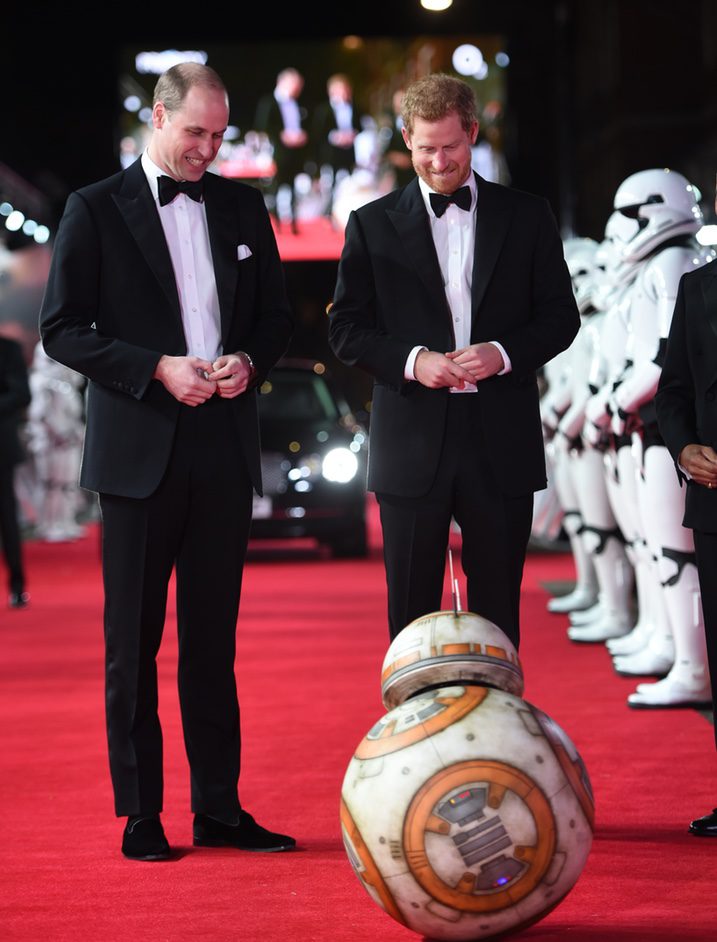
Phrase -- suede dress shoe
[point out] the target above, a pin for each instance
(246, 835)
(144, 839)
(18, 600)
(705, 826)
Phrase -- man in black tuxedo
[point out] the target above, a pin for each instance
(686, 403)
(166, 291)
(334, 130)
(452, 303)
(281, 116)
(14, 399)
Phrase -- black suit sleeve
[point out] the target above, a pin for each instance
(70, 309)
(354, 333)
(554, 318)
(675, 397)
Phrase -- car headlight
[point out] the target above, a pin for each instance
(339, 465)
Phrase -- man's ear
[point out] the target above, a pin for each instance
(406, 138)
(159, 115)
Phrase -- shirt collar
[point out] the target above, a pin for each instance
(426, 191)
(152, 172)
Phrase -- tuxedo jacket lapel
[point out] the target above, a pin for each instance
(410, 220)
(223, 239)
(411, 223)
(136, 205)
(709, 293)
(493, 220)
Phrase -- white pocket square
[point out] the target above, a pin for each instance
(243, 251)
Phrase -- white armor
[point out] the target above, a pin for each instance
(660, 216)
(603, 536)
(55, 429)
(565, 377)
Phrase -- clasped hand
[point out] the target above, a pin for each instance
(457, 367)
(192, 380)
(700, 462)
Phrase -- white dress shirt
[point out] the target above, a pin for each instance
(454, 238)
(290, 112)
(344, 114)
(184, 221)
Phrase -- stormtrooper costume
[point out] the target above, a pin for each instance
(612, 614)
(660, 214)
(564, 375)
(55, 428)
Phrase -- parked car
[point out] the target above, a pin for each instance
(314, 455)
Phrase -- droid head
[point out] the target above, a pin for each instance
(449, 647)
(655, 206)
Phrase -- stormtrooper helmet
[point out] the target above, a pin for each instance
(654, 206)
(580, 259)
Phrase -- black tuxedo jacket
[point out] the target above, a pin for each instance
(111, 309)
(686, 399)
(324, 121)
(14, 399)
(390, 297)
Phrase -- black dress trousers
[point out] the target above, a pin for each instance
(198, 520)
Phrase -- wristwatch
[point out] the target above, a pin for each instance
(250, 362)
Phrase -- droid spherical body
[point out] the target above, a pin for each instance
(466, 812)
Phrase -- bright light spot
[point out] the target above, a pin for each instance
(482, 71)
(5, 209)
(467, 59)
(302, 486)
(294, 447)
(707, 235)
(340, 466)
(355, 447)
(502, 59)
(132, 103)
(145, 115)
(296, 512)
(319, 368)
(29, 227)
(41, 235)
(15, 220)
(322, 436)
(436, 5)
(158, 62)
(232, 133)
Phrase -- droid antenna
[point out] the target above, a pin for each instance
(454, 584)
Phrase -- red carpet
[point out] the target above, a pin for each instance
(312, 637)
(315, 240)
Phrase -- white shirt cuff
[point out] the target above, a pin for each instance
(507, 365)
(408, 368)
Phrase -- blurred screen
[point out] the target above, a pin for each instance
(333, 140)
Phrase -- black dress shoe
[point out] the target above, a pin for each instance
(706, 826)
(18, 599)
(144, 839)
(247, 835)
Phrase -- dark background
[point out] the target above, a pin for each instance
(596, 90)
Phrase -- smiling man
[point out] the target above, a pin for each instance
(166, 291)
(452, 292)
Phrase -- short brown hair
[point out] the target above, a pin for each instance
(435, 96)
(172, 86)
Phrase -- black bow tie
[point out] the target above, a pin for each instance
(169, 188)
(462, 199)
